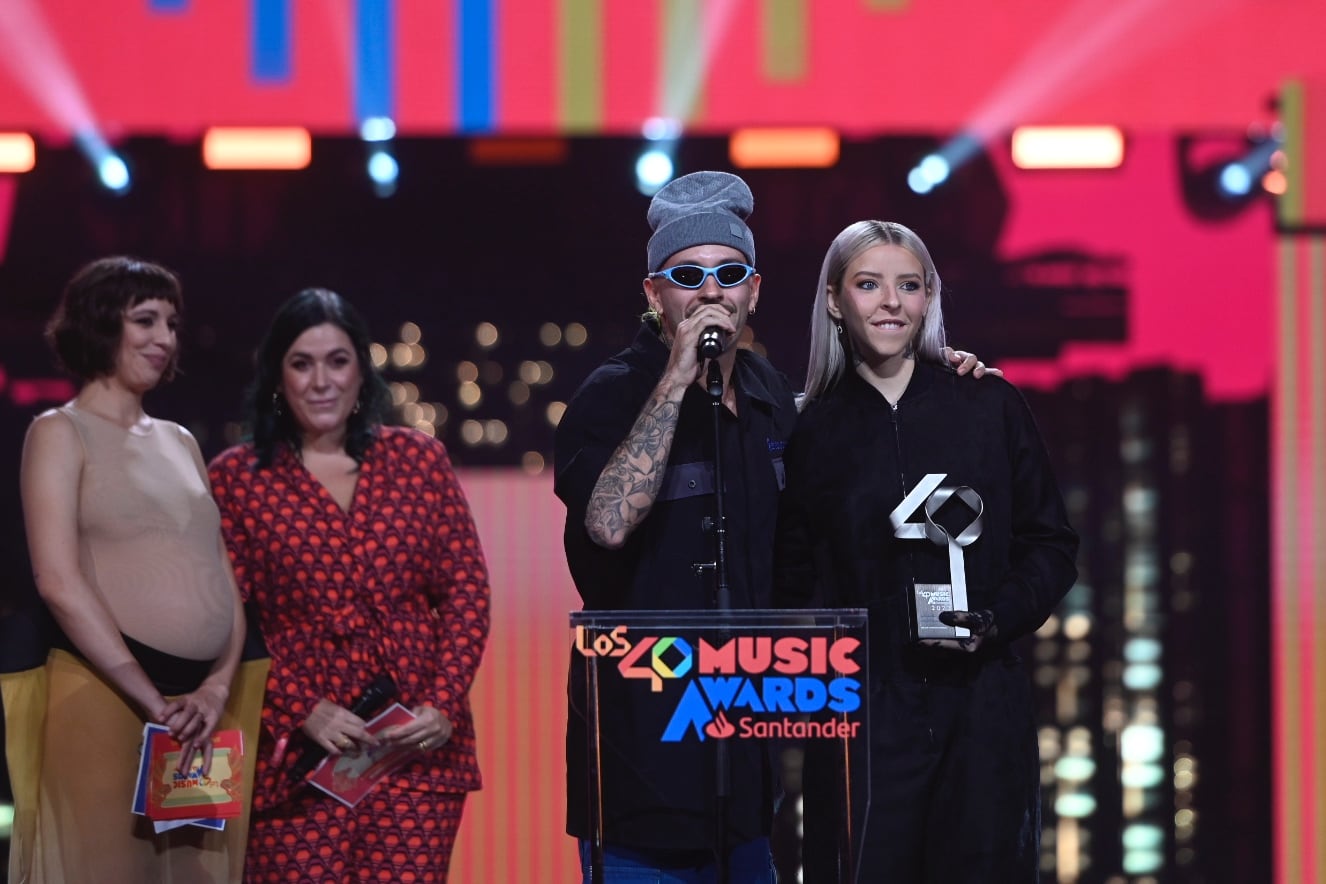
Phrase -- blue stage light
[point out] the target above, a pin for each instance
(652, 171)
(1235, 180)
(377, 129)
(917, 181)
(114, 173)
(383, 168)
(935, 168)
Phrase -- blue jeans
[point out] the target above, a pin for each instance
(749, 863)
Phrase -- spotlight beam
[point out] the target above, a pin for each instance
(685, 58)
(1090, 43)
(34, 58)
(1238, 177)
(1082, 49)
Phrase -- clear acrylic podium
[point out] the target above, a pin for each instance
(652, 692)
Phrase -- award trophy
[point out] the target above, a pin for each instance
(928, 600)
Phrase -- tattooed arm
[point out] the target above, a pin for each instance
(628, 485)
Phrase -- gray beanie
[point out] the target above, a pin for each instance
(702, 208)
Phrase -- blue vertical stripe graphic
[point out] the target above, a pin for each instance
(375, 92)
(271, 40)
(168, 5)
(476, 59)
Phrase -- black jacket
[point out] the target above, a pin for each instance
(850, 462)
(660, 795)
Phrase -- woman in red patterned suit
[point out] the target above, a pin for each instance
(355, 550)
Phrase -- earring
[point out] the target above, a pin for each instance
(840, 329)
(276, 402)
(751, 312)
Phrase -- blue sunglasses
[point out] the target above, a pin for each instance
(692, 276)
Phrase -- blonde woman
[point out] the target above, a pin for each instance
(953, 766)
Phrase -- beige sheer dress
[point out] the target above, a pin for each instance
(149, 543)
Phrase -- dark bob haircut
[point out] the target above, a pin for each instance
(89, 321)
(273, 426)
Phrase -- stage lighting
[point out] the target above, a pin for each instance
(257, 147)
(786, 147)
(1222, 174)
(382, 167)
(654, 168)
(918, 183)
(661, 129)
(1067, 147)
(377, 129)
(932, 171)
(114, 173)
(111, 169)
(378, 132)
(652, 171)
(936, 168)
(18, 152)
(1235, 180)
(384, 170)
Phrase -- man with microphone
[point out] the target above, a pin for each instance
(635, 468)
(634, 461)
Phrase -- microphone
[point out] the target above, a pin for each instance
(379, 692)
(714, 383)
(711, 343)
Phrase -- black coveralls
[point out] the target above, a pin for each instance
(658, 796)
(954, 763)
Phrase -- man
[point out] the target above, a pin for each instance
(635, 467)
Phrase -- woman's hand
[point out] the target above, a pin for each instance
(429, 730)
(965, 362)
(981, 624)
(192, 719)
(337, 729)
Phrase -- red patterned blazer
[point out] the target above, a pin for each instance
(396, 585)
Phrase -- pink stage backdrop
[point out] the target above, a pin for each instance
(514, 830)
(577, 66)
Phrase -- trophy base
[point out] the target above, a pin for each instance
(924, 605)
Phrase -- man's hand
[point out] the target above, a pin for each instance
(967, 362)
(684, 363)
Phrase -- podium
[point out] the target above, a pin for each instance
(679, 714)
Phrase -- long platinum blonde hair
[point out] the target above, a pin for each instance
(830, 350)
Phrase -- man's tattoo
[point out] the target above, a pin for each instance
(630, 482)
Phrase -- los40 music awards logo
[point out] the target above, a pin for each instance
(748, 686)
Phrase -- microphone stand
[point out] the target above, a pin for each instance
(723, 602)
(723, 595)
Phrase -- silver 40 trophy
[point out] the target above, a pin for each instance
(927, 600)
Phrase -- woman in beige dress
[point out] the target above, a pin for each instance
(126, 551)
